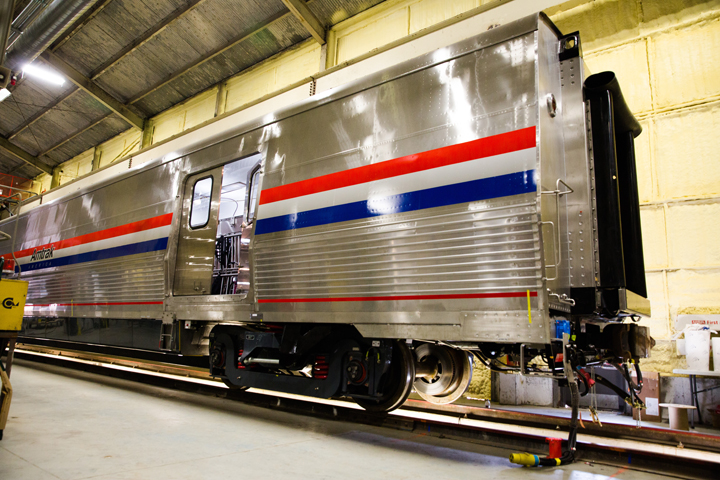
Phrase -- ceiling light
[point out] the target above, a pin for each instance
(4, 93)
(43, 74)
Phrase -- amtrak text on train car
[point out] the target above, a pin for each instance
(42, 254)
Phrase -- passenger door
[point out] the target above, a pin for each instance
(198, 229)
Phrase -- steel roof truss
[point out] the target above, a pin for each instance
(307, 18)
(93, 89)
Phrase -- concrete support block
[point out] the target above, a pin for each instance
(510, 389)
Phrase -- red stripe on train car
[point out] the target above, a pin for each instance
(400, 297)
(450, 155)
(134, 227)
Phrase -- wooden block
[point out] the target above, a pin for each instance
(678, 415)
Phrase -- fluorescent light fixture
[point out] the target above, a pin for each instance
(4, 93)
(42, 74)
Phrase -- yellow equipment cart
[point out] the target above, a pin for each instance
(12, 306)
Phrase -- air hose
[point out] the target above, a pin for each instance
(568, 456)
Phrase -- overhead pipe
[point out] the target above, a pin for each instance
(46, 28)
(25, 18)
(6, 14)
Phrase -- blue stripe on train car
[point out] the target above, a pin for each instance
(472, 191)
(132, 249)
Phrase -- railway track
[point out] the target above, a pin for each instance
(673, 453)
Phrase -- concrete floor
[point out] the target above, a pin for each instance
(66, 424)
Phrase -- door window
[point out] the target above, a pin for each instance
(201, 201)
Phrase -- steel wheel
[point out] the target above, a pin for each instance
(449, 376)
(217, 360)
(397, 382)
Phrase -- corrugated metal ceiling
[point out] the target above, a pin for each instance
(150, 56)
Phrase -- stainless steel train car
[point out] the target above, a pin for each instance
(476, 202)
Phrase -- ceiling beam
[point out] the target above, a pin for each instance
(84, 20)
(174, 16)
(89, 14)
(76, 134)
(21, 154)
(155, 30)
(40, 113)
(209, 56)
(93, 89)
(297, 8)
(307, 18)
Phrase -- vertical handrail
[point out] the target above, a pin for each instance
(557, 253)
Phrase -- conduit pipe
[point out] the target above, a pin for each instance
(6, 13)
(25, 18)
(48, 26)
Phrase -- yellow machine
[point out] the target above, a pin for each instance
(12, 306)
(12, 296)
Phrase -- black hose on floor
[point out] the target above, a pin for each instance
(568, 455)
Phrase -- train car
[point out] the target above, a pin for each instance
(478, 202)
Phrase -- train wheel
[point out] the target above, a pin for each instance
(217, 363)
(444, 373)
(397, 382)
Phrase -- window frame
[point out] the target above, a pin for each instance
(192, 201)
(256, 170)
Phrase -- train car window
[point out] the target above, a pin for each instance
(200, 209)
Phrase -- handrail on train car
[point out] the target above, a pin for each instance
(556, 236)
